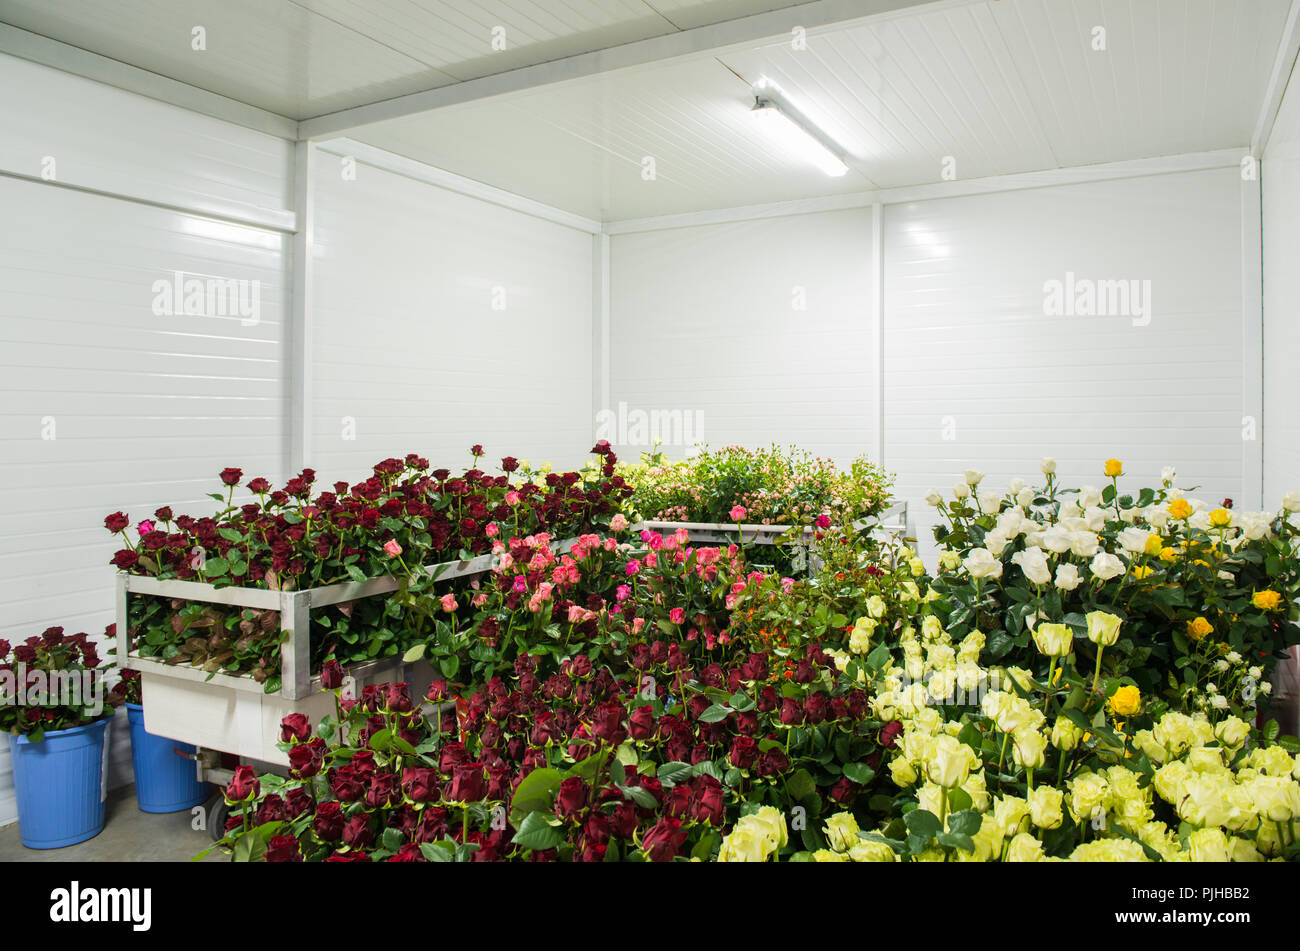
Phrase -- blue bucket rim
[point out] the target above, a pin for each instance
(100, 724)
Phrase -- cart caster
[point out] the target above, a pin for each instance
(218, 812)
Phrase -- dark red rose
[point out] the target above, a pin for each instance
(408, 853)
(792, 712)
(381, 790)
(283, 848)
(328, 822)
(163, 514)
(421, 785)
(349, 857)
(641, 724)
(509, 464)
(570, 798)
(889, 733)
(468, 783)
(259, 485)
(708, 806)
(347, 783)
(433, 824)
(816, 708)
(357, 832)
(244, 785)
(744, 752)
(117, 522)
(844, 791)
(297, 801)
(747, 722)
(398, 698)
(680, 799)
(664, 840)
(331, 675)
(607, 723)
(437, 691)
(772, 763)
(453, 755)
(295, 726)
(231, 475)
(124, 560)
(767, 699)
(306, 759)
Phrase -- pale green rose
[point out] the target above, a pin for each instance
(1024, 848)
(1045, 807)
(1103, 628)
(841, 831)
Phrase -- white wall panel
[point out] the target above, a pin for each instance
(1281, 216)
(410, 354)
(106, 404)
(708, 319)
(970, 353)
(106, 139)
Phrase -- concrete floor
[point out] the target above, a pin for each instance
(129, 836)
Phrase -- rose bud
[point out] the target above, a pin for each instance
(398, 698)
(708, 805)
(346, 784)
(772, 763)
(641, 724)
(420, 785)
(381, 790)
(357, 833)
(570, 798)
(283, 848)
(328, 821)
(437, 691)
(295, 727)
(744, 751)
(297, 801)
(331, 675)
(792, 712)
(231, 475)
(468, 783)
(679, 801)
(664, 840)
(243, 786)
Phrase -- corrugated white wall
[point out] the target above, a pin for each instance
(441, 321)
(107, 404)
(978, 375)
(763, 327)
(1280, 178)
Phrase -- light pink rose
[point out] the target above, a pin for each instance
(737, 513)
(491, 531)
(449, 602)
(392, 548)
(618, 523)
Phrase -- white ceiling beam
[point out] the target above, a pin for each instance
(1277, 82)
(713, 37)
(79, 62)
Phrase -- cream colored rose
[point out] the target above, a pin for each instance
(1103, 628)
(980, 563)
(950, 762)
(1068, 577)
(1048, 465)
(1054, 640)
(841, 831)
(1106, 566)
(1033, 563)
(1025, 848)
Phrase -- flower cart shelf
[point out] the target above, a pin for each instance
(219, 712)
(893, 521)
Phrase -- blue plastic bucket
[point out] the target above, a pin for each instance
(165, 780)
(60, 783)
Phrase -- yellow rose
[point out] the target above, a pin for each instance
(1198, 628)
(826, 855)
(1054, 640)
(1180, 508)
(1045, 807)
(1114, 468)
(1024, 848)
(1140, 571)
(1066, 734)
(1168, 554)
(866, 850)
(771, 822)
(1232, 732)
(1126, 701)
(917, 567)
(1028, 747)
(950, 762)
(1208, 845)
(1266, 600)
(1154, 545)
(1103, 628)
(745, 843)
(1220, 518)
(842, 831)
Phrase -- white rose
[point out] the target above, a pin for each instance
(1033, 563)
(1156, 516)
(1106, 566)
(1048, 465)
(990, 502)
(1200, 521)
(1133, 540)
(980, 563)
(995, 541)
(961, 490)
(1255, 525)
(1291, 502)
(1094, 518)
(1015, 486)
(1167, 476)
(1025, 498)
(1057, 539)
(1089, 495)
(1083, 544)
(933, 498)
(1068, 577)
(973, 476)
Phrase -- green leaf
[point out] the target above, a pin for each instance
(922, 822)
(441, 851)
(800, 784)
(537, 834)
(673, 772)
(536, 792)
(393, 839)
(715, 713)
(414, 654)
(953, 840)
(215, 567)
(639, 795)
(965, 822)
(860, 773)
(355, 573)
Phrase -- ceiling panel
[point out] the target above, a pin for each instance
(999, 86)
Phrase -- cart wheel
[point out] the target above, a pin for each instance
(218, 812)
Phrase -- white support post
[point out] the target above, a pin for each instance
(299, 342)
(1252, 344)
(878, 325)
(600, 394)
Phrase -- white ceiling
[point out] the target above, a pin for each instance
(1000, 86)
(305, 58)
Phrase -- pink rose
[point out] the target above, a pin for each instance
(448, 602)
(633, 567)
(512, 498)
(737, 513)
(392, 548)
(677, 615)
(618, 523)
(823, 521)
(623, 593)
(491, 531)
(145, 527)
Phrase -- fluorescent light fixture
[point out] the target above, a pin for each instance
(792, 132)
